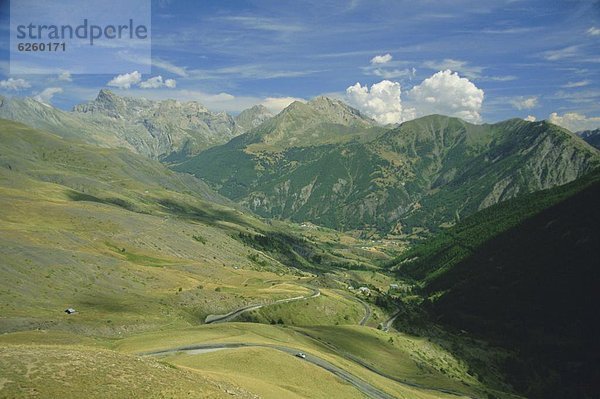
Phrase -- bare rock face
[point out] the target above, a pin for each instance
(252, 117)
(172, 128)
(168, 130)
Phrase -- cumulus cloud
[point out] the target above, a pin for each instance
(381, 102)
(65, 76)
(525, 102)
(14, 84)
(446, 93)
(381, 59)
(593, 31)
(574, 121)
(530, 118)
(277, 104)
(126, 80)
(46, 95)
(158, 82)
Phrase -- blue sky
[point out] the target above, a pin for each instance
(514, 57)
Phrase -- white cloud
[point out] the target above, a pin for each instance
(574, 121)
(381, 59)
(382, 102)
(169, 67)
(126, 80)
(65, 76)
(530, 118)
(394, 73)
(578, 96)
(220, 97)
(446, 93)
(382, 66)
(504, 78)
(525, 102)
(157, 82)
(567, 52)
(155, 62)
(265, 24)
(581, 83)
(276, 104)
(593, 31)
(14, 84)
(470, 71)
(46, 95)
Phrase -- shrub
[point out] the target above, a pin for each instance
(199, 238)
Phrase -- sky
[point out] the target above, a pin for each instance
(395, 60)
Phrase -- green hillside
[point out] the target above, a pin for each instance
(523, 275)
(129, 241)
(426, 174)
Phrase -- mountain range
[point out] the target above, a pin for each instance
(326, 163)
(166, 130)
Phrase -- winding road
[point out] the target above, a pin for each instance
(212, 319)
(358, 383)
(365, 305)
(370, 367)
(361, 385)
(367, 312)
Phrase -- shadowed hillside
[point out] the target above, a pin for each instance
(524, 275)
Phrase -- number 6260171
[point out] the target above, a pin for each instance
(50, 46)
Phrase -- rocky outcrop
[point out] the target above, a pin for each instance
(169, 130)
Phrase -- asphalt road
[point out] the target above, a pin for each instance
(367, 310)
(211, 318)
(365, 305)
(358, 383)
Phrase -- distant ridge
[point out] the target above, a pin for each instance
(326, 163)
(167, 130)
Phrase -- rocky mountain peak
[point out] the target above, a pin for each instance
(105, 95)
(327, 110)
(252, 117)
